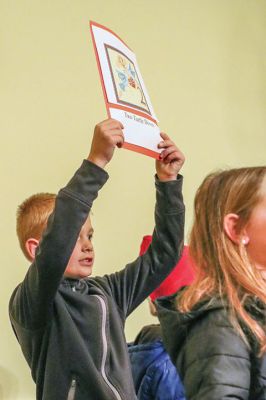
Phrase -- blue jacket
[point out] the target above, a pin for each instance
(154, 375)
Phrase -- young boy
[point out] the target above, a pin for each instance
(69, 326)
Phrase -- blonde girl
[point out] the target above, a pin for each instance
(214, 330)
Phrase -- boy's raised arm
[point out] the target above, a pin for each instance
(171, 160)
(138, 279)
(107, 136)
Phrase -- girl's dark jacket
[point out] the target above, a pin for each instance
(212, 359)
(72, 332)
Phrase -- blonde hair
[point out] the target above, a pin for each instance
(32, 217)
(223, 268)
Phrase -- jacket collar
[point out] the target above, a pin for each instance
(175, 324)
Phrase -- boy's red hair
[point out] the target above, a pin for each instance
(32, 217)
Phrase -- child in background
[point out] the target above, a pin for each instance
(68, 324)
(154, 375)
(215, 329)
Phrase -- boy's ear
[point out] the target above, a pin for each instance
(152, 308)
(31, 246)
(230, 226)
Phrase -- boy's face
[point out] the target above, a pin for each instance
(81, 261)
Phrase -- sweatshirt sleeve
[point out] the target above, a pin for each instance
(139, 278)
(32, 300)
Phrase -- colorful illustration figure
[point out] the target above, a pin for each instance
(126, 83)
(127, 75)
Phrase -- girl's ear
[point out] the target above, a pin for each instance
(31, 246)
(230, 227)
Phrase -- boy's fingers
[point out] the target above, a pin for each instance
(165, 143)
(176, 156)
(172, 154)
(167, 151)
(111, 123)
(118, 140)
(116, 132)
(120, 144)
(173, 157)
(111, 135)
(164, 135)
(116, 125)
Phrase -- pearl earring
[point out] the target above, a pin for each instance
(244, 241)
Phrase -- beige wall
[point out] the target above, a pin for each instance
(203, 62)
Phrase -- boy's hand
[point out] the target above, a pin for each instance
(107, 135)
(171, 160)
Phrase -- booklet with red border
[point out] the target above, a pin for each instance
(124, 91)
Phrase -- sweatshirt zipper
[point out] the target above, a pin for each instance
(104, 339)
(72, 390)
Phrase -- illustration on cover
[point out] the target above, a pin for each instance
(126, 83)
